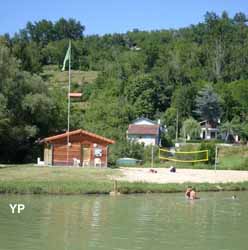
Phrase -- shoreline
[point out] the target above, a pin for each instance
(29, 179)
(104, 188)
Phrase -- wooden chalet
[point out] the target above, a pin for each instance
(84, 149)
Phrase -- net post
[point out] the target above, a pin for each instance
(215, 158)
(152, 156)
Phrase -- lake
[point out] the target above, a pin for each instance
(127, 222)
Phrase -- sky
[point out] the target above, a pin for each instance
(114, 16)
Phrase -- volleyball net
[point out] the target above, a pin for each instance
(180, 156)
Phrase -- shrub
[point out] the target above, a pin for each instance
(147, 157)
(166, 140)
(210, 146)
(244, 165)
(125, 149)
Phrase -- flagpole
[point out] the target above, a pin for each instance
(69, 103)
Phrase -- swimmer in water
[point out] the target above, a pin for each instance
(190, 193)
(187, 192)
(193, 195)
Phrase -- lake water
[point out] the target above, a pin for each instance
(130, 222)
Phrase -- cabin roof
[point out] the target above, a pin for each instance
(78, 132)
(143, 129)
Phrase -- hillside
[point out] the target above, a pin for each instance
(189, 74)
(53, 75)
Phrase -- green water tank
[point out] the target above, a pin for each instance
(127, 161)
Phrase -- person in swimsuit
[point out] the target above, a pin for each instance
(188, 191)
(192, 195)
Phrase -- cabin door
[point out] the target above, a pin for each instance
(48, 154)
(86, 152)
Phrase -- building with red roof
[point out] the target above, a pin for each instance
(145, 131)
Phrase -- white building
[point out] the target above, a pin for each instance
(208, 131)
(146, 131)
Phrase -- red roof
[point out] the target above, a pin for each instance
(78, 132)
(134, 129)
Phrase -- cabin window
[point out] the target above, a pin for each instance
(98, 152)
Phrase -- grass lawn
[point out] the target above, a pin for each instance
(30, 179)
(34, 173)
(33, 179)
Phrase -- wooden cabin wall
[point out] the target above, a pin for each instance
(75, 151)
(104, 155)
(60, 153)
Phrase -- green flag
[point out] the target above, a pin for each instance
(67, 56)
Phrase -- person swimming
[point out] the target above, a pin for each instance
(190, 193)
(193, 194)
(187, 192)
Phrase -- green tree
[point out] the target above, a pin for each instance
(191, 129)
(183, 100)
(27, 111)
(208, 105)
(168, 119)
(70, 28)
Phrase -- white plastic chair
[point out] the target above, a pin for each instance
(97, 162)
(39, 162)
(86, 163)
(76, 162)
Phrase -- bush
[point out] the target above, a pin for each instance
(244, 165)
(125, 149)
(210, 146)
(166, 140)
(132, 150)
(147, 157)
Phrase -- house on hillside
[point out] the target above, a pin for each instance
(143, 130)
(209, 130)
(84, 149)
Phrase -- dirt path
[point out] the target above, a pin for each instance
(182, 175)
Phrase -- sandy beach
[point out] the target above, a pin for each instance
(182, 175)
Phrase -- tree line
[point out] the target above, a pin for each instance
(155, 74)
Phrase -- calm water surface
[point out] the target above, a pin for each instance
(148, 222)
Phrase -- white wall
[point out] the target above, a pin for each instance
(147, 140)
(208, 133)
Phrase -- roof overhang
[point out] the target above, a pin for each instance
(77, 132)
(134, 129)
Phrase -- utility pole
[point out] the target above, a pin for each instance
(177, 127)
(152, 158)
(216, 158)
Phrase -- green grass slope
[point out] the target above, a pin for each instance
(55, 76)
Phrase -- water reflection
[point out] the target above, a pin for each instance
(156, 222)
